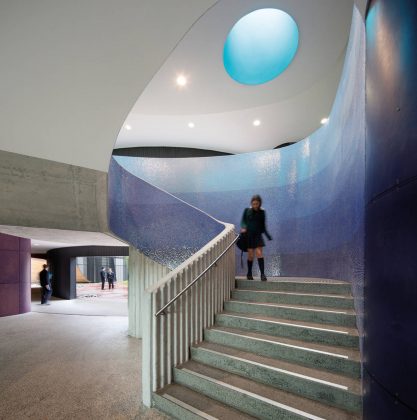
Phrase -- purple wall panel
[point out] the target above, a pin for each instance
(9, 266)
(8, 242)
(9, 299)
(15, 296)
(25, 245)
(25, 277)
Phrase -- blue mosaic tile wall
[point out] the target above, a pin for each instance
(159, 225)
(313, 191)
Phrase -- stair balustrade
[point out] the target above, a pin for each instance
(167, 337)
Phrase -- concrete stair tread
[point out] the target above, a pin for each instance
(279, 293)
(302, 324)
(300, 280)
(343, 352)
(266, 393)
(353, 385)
(300, 307)
(198, 403)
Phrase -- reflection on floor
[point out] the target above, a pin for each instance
(87, 290)
(91, 301)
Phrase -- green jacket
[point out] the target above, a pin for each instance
(254, 221)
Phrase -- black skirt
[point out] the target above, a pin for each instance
(255, 240)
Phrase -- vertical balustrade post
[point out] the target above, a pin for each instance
(204, 295)
(169, 333)
(163, 338)
(199, 290)
(177, 323)
(220, 274)
(169, 337)
(157, 347)
(148, 361)
(182, 318)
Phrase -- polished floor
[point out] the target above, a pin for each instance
(71, 360)
(120, 290)
(91, 301)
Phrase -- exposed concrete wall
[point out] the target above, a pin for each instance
(42, 193)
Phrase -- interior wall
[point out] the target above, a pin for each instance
(51, 195)
(162, 227)
(313, 191)
(391, 209)
(15, 297)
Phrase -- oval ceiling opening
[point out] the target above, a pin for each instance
(260, 46)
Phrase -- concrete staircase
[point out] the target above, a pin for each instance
(282, 349)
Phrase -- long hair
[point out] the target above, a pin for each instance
(256, 197)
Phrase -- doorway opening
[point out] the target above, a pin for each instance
(89, 277)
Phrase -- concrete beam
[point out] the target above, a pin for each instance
(41, 193)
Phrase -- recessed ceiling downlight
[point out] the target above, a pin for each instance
(260, 46)
(181, 80)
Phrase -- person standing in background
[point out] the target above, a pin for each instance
(110, 278)
(103, 276)
(45, 280)
(253, 222)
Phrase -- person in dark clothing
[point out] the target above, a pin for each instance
(103, 276)
(110, 278)
(45, 278)
(253, 223)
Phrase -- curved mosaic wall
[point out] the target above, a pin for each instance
(313, 191)
(162, 227)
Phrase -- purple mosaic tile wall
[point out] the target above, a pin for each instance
(15, 284)
(161, 226)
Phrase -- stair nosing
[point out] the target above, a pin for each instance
(253, 395)
(187, 407)
(326, 281)
(341, 356)
(310, 308)
(284, 371)
(292, 293)
(345, 333)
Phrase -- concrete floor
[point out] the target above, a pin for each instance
(71, 360)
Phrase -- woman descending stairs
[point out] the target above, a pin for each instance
(283, 349)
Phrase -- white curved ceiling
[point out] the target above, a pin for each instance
(72, 71)
(289, 107)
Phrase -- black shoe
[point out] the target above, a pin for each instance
(263, 277)
(249, 277)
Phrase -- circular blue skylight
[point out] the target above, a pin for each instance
(260, 46)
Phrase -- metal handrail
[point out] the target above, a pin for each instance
(162, 310)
